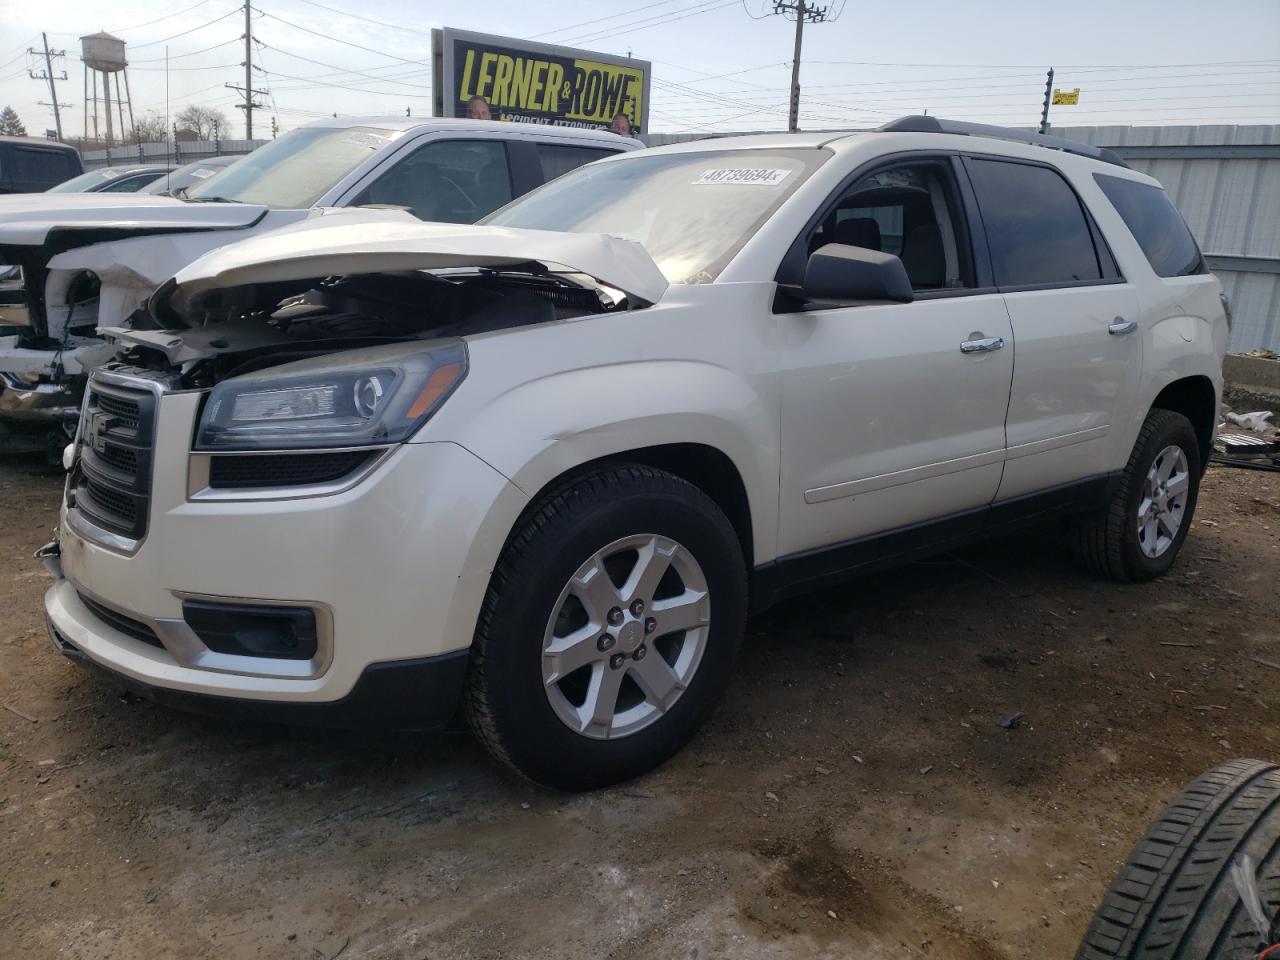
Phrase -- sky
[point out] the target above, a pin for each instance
(718, 65)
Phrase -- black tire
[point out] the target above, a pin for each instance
(505, 701)
(1106, 542)
(1174, 898)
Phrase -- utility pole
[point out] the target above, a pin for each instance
(48, 75)
(247, 90)
(1048, 96)
(803, 12)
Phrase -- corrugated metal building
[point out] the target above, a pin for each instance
(1226, 182)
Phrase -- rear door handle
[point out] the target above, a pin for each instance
(1121, 326)
(985, 345)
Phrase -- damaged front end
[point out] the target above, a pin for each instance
(304, 385)
(42, 377)
(69, 266)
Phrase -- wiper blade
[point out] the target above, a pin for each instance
(190, 199)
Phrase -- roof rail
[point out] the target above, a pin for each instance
(923, 124)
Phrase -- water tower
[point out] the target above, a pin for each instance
(104, 58)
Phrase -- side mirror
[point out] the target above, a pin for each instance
(837, 271)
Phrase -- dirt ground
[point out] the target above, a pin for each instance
(853, 797)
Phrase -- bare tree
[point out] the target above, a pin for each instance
(10, 125)
(150, 128)
(201, 121)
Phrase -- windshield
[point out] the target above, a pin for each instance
(295, 171)
(85, 181)
(183, 177)
(691, 211)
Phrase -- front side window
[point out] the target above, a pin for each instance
(557, 159)
(292, 173)
(691, 211)
(1156, 224)
(910, 210)
(453, 181)
(1036, 228)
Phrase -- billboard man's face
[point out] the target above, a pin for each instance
(621, 125)
(478, 109)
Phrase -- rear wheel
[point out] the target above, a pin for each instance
(609, 628)
(1138, 534)
(1174, 898)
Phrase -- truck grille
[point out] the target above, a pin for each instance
(111, 478)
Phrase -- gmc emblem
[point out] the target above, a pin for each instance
(94, 429)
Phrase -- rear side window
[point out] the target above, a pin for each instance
(1156, 224)
(1036, 228)
(557, 159)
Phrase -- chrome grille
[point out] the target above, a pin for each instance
(110, 482)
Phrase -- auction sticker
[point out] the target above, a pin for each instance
(751, 176)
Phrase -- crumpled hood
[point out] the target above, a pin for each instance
(372, 241)
(28, 219)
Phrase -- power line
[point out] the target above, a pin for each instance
(399, 27)
(334, 66)
(220, 66)
(612, 16)
(208, 23)
(193, 53)
(167, 16)
(1030, 66)
(708, 6)
(348, 43)
(343, 86)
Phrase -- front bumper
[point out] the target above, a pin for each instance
(398, 564)
(420, 694)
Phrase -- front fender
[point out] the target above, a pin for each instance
(535, 432)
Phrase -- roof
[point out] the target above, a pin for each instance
(408, 124)
(913, 130)
(131, 168)
(38, 142)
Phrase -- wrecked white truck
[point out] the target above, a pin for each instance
(78, 263)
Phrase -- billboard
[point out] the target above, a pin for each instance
(483, 76)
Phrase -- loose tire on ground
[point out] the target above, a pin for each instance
(1108, 542)
(507, 701)
(1174, 898)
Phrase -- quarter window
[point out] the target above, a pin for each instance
(558, 159)
(1036, 228)
(1156, 224)
(454, 181)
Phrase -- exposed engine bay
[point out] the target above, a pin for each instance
(226, 332)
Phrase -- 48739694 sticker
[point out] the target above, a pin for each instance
(743, 176)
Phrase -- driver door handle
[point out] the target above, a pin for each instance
(1121, 326)
(985, 345)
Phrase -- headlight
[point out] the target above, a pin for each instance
(357, 398)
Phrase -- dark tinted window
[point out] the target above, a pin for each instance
(1156, 225)
(46, 166)
(1036, 228)
(557, 160)
(455, 181)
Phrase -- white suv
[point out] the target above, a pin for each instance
(367, 469)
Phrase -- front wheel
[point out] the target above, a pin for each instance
(1138, 534)
(609, 628)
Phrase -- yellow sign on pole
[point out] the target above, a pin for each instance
(1066, 98)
